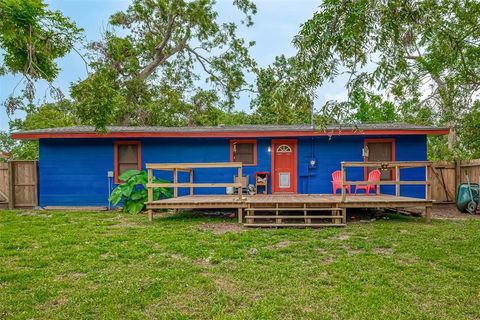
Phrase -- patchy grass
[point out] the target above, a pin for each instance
(108, 265)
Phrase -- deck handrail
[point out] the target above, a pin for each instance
(188, 167)
(394, 165)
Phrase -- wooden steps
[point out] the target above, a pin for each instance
(294, 225)
(337, 218)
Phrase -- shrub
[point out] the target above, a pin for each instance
(133, 191)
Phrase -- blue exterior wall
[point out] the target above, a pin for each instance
(73, 172)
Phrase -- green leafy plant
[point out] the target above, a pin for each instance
(133, 191)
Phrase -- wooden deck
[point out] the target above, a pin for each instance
(232, 201)
(296, 210)
(286, 210)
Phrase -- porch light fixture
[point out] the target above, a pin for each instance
(269, 149)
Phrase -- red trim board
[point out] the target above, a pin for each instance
(225, 134)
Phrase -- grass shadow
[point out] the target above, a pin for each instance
(198, 215)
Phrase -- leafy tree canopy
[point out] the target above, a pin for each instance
(423, 56)
(156, 62)
(32, 38)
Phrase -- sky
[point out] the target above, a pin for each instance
(276, 23)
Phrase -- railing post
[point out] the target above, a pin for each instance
(397, 180)
(240, 178)
(191, 182)
(344, 194)
(149, 193)
(175, 181)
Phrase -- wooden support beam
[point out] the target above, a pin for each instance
(307, 220)
(293, 225)
(390, 164)
(150, 215)
(240, 179)
(149, 188)
(193, 185)
(191, 182)
(296, 209)
(250, 213)
(175, 183)
(170, 166)
(240, 213)
(428, 214)
(278, 220)
(397, 179)
(298, 217)
(389, 182)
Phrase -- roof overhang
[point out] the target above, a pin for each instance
(225, 134)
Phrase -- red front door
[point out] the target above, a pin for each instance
(284, 166)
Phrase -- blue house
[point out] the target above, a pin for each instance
(79, 167)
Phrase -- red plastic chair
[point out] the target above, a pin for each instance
(337, 182)
(373, 176)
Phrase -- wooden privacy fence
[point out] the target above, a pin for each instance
(18, 184)
(448, 175)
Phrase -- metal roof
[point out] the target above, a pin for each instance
(217, 131)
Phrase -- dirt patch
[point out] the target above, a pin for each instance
(34, 213)
(226, 285)
(71, 275)
(342, 237)
(280, 245)
(383, 251)
(122, 222)
(205, 262)
(178, 256)
(221, 228)
(105, 255)
(352, 251)
(450, 211)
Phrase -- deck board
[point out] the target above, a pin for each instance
(233, 201)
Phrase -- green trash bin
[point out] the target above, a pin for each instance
(463, 196)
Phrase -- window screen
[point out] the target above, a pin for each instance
(381, 151)
(127, 157)
(244, 152)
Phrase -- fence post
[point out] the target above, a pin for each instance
(428, 195)
(11, 186)
(458, 176)
(428, 187)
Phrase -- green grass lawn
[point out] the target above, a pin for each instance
(110, 265)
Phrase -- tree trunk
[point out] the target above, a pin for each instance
(452, 136)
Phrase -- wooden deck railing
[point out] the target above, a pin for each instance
(395, 166)
(188, 167)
